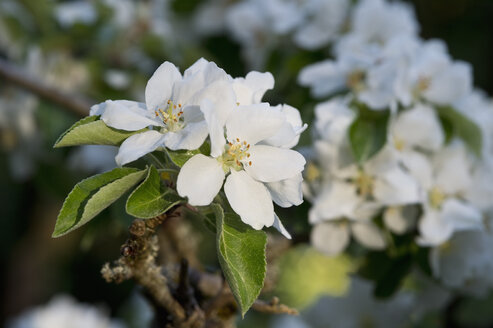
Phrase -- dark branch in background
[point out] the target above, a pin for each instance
(183, 296)
(17, 76)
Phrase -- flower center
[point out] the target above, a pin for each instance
(172, 117)
(364, 184)
(356, 80)
(436, 197)
(234, 154)
(399, 144)
(421, 86)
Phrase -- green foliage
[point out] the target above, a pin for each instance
(241, 252)
(462, 127)
(387, 272)
(180, 157)
(92, 131)
(367, 135)
(152, 197)
(306, 274)
(92, 195)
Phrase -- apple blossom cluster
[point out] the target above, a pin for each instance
(403, 146)
(260, 25)
(250, 140)
(64, 312)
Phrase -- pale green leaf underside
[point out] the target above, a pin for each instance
(92, 131)
(92, 195)
(463, 127)
(241, 252)
(367, 137)
(151, 198)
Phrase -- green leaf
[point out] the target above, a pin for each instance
(180, 157)
(152, 197)
(387, 272)
(463, 127)
(367, 136)
(241, 252)
(92, 131)
(92, 195)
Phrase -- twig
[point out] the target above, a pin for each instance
(274, 306)
(15, 75)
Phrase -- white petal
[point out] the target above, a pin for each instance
(394, 219)
(419, 166)
(330, 238)
(461, 215)
(200, 179)
(368, 235)
(251, 89)
(192, 136)
(451, 84)
(433, 229)
(286, 193)
(253, 123)
(249, 199)
(336, 201)
(396, 187)
(419, 127)
(271, 164)
(138, 145)
(324, 78)
(278, 225)
(195, 87)
(452, 166)
(215, 127)
(289, 134)
(159, 87)
(127, 115)
(217, 106)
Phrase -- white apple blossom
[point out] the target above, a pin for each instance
(445, 180)
(255, 173)
(349, 196)
(172, 107)
(465, 261)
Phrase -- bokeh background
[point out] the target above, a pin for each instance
(111, 57)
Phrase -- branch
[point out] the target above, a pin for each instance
(15, 75)
(138, 261)
(184, 296)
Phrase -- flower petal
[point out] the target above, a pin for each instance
(287, 192)
(200, 179)
(368, 235)
(192, 136)
(250, 199)
(278, 225)
(251, 89)
(395, 219)
(216, 107)
(160, 85)
(419, 127)
(396, 187)
(137, 146)
(337, 200)
(126, 115)
(330, 238)
(253, 123)
(289, 134)
(271, 164)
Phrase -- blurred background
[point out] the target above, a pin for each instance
(97, 50)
